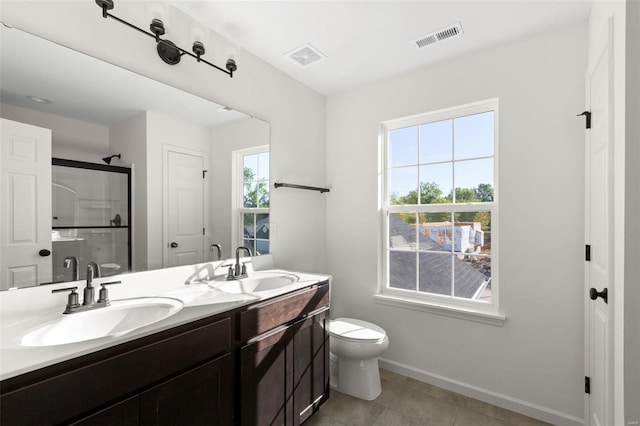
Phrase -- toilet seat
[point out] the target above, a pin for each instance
(354, 330)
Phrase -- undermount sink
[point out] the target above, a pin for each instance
(121, 317)
(256, 282)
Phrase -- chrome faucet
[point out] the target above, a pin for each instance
(71, 262)
(93, 271)
(240, 271)
(217, 246)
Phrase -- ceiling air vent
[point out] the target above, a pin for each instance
(438, 35)
(306, 55)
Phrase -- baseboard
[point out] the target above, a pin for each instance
(504, 401)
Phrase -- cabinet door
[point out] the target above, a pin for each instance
(263, 396)
(124, 413)
(201, 396)
(310, 348)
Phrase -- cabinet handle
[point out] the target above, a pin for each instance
(44, 252)
(174, 244)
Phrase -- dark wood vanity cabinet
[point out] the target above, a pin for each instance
(182, 373)
(284, 370)
(263, 364)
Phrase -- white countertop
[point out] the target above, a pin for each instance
(25, 309)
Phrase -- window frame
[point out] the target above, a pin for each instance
(237, 199)
(449, 305)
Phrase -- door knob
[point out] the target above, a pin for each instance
(44, 252)
(594, 294)
(174, 245)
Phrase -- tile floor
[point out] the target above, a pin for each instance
(407, 402)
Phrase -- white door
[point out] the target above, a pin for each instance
(185, 208)
(599, 361)
(25, 194)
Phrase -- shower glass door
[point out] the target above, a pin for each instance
(91, 205)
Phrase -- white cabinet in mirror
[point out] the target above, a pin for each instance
(84, 109)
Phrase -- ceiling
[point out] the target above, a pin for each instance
(366, 40)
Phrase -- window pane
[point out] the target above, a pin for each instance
(263, 166)
(473, 136)
(402, 231)
(472, 276)
(250, 245)
(262, 247)
(402, 270)
(249, 225)
(403, 146)
(250, 167)
(436, 231)
(403, 185)
(474, 180)
(472, 232)
(436, 182)
(262, 226)
(435, 273)
(436, 142)
(250, 195)
(262, 194)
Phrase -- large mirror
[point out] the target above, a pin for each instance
(144, 175)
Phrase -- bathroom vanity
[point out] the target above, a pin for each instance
(263, 361)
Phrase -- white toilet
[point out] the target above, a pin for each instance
(355, 346)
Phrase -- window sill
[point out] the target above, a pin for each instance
(471, 314)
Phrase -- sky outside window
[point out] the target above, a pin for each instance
(449, 151)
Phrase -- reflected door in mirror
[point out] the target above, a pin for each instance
(185, 205)
(25, 181)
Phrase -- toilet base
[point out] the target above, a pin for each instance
(359, 378)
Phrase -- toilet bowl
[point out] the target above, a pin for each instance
(355, 346)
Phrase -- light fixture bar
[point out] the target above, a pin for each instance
(165, 46)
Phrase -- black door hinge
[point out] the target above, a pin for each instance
(203, 233)
(587, 384)
(587, 115)
(204, 173)
(587, 253)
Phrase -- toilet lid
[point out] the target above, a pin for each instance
(354, 329)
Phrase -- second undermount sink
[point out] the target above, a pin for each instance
(256, 282)
(121, 317)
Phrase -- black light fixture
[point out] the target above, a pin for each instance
(108, 159)
(167, 50)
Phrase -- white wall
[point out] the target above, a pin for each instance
(295, 112)
(224, 140)
(70, 138)
(534, 363)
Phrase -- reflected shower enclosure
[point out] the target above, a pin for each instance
(91, 206)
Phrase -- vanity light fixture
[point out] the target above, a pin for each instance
(108, 159)
(167, 50)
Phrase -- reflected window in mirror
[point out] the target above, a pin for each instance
(252, 177)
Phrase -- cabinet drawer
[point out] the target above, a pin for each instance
(59, 398)
(263, 317)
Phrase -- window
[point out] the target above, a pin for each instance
(440, 207)
(253, 205)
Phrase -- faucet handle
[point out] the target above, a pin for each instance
(230, 273)
(72, 300)
(104, 293)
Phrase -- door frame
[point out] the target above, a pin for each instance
(604, 45)
(166, 149)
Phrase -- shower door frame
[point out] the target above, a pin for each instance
(104, 168)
